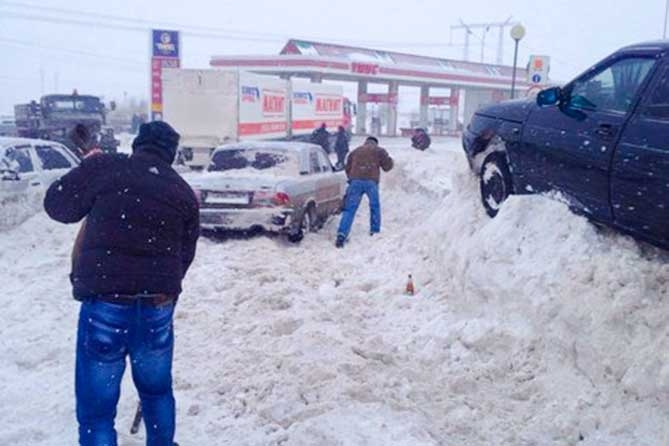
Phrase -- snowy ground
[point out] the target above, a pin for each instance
(535, 328)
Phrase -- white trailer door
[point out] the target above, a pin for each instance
(263, 107)
(314, 104)
(201, 105)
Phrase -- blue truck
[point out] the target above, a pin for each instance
(601, 140)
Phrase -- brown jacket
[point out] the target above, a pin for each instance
(365, 162)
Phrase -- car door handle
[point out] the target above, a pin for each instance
(606, 130)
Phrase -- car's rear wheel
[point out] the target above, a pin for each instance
(495, 182)
(307, 224)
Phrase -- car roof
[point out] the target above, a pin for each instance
(284, 146)
(70, 96)
(6, 141)
(9, 141)
(658, 45)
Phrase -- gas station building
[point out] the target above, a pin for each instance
(470, 84)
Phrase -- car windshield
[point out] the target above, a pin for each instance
(255, 161)
(72, 104)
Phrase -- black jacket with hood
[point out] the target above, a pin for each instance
(142, 218)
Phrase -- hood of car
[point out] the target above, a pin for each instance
(516, 110)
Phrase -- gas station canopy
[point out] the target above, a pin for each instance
(480, 83)
(338, 62)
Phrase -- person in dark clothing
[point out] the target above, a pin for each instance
(83, 141)
(142, 225)
(420, 139)
(363, 168)
(341, 146)
(321, 137)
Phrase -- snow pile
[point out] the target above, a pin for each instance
(18, 207)
(534, 328)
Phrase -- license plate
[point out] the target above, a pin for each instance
(227, 198)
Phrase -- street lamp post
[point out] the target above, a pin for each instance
(517, 33)
(666, 16)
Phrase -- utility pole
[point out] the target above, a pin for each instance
(666, 16)
(517, 34)
(468, 32)
(485, 27)
(485, 31)
(41, 80)
(500, 43)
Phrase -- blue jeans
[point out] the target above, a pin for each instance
(356, 189)
(107, 333)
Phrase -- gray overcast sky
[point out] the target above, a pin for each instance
(99, 60)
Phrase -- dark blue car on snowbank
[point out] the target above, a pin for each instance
(602, 140)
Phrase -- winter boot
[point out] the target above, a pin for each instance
(340, 241)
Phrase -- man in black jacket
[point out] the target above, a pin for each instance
(321, 137)
(139, 238)
(341, 146)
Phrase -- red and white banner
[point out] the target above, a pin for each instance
(314, 104)
(165, 53)
(157, 65)
(378, 98)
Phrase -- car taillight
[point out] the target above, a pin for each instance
(281, 199)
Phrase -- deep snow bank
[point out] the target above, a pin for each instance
(19, 207)
(568, 321)
(534, 328)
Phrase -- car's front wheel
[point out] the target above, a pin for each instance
(495, 182)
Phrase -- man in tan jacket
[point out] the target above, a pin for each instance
(363, 168)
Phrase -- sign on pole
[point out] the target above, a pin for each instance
(537, 72)
(165, 53)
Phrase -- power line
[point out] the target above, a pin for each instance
(21, 43)
(142, 25)
(190, 30)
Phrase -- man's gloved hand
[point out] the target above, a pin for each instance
(92, 152)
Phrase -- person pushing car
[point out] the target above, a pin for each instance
(363, 168)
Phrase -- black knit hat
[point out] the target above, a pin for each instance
(159, 138)
(373, 139)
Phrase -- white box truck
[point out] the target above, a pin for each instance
(211, 107)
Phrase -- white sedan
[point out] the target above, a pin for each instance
(285, 187)
(29, 166)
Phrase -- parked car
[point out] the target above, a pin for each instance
(284, 187)
(32, 164)
(7, 126)
(602, 141)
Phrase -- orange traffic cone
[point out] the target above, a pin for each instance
(410, 290)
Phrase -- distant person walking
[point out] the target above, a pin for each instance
(363, 168)
(142, 225)
(321, 137)
(341, 146)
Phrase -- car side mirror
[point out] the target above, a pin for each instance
(550, 96)
(10, 175)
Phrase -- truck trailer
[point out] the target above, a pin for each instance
(213, 107)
